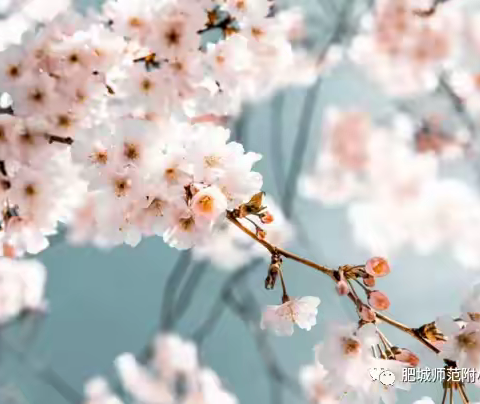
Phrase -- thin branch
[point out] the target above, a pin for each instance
(208, 326)
(265, 350)
(174, 279)
(463, 393)
(45, 373)
(187, 293)
(331, 273)
(3, 169)
(58, 139)
(273, 249)
(276, 140)
(299, 148)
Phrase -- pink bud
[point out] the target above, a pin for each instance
(266, 218)
(342, 288)
(369, 281)
(261, 234)
(406, 356)
(367, 314)
(8, 250)
(378, 300)
(377, 266)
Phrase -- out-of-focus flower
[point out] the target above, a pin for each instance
(174, 364)
(318, 389)
(22, 287)
(404, 52)
(97, 391)
(394, 195)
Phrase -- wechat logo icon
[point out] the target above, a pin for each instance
(385, 376)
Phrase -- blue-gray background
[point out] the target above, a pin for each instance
(106, 303)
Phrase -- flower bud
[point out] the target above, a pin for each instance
(266, 218)
(367, 314)
(273, 270)
(378, 300)
(405, 356)
(342, 288)
(272, 276)
(377, 266)
(8, 250)
(261, 234)
(369, 281)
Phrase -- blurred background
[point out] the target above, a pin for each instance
(104, 303)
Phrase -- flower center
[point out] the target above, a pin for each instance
(30, 190)
(350, 346)
(468, 341)
(187, 224)
(206, 203)
(156, 207)
(130, 151)
(122, 185)
(172, 36)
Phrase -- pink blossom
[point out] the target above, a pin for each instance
(301, 311)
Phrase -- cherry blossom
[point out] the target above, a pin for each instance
(97, 391)
(301, 311)
(318, 389)
(342, 368)
(174, 361)
(22, 287)
(402, 51)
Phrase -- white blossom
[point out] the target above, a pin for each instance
(300, 311)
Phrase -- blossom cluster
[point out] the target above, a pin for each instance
(173, 376)
(394, 194)
(405, 50)
(22, 284)
(341, 371)
(116, 122)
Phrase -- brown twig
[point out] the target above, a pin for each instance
(331, 273)
(276, 250)
(58, 139)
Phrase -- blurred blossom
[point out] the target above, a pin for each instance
(394, 195)
(174, 376)
(22, 285)
(18, 16)
(404, 52)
